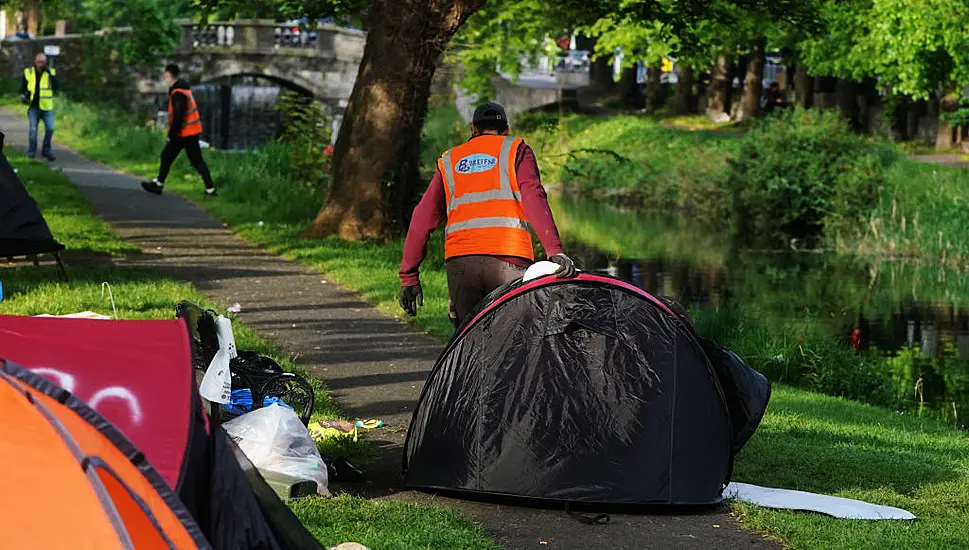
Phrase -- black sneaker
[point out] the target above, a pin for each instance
(211, 192)
(50, 157)
(152, 187)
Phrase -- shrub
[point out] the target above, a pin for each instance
(799, 352)
(443, 129)
(805, 173)
(306, 130)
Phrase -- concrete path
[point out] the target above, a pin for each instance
(950, 160)
(374, 365)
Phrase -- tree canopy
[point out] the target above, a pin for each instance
(506, 33)
(913, 47)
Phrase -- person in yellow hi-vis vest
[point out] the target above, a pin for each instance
(37, 92)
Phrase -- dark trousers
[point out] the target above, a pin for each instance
(471, 278)
(192, 148)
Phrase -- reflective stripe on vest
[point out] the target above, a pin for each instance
(487, 218)
(46, 92)
(484, 223)
(192, 123)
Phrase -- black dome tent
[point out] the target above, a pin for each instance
(585, 390)
(23, 229)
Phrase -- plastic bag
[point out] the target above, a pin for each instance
(216, 385)
(275, 440)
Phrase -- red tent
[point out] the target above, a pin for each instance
(132, 372)
(139, 376)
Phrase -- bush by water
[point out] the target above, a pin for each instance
(805, 173)
(799, 174)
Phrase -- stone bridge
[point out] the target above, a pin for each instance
(320, 61)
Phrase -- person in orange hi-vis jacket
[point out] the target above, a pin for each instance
(184, 129)
(488, 191)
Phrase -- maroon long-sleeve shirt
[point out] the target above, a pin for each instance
(432, 212)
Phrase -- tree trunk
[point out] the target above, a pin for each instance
(654, 88)
(754, 82)
(684, 100)
(602, 74)
(720, 86)
(945, 138)
(600, 70)
(375, 163)
(804, 87)
(898, 130)
(869, 99)
(847, 94)
(32, 17)
(631, 93)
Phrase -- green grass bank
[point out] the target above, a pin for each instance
(870, 196)
(808, 441)
(143, 294)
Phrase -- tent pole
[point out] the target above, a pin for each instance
(61, 271)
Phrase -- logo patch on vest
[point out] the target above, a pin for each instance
(475, 163)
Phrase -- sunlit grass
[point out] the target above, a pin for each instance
(814, 443)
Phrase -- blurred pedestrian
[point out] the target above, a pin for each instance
(184, 129)
(37, 92)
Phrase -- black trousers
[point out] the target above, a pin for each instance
(194, 151)
(471, 278)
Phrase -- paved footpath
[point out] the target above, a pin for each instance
(374, 365)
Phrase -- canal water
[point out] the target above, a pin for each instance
(911, 319)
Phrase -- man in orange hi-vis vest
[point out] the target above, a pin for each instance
(184, 129)
(488, 192)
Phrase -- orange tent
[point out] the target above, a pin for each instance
(73, 480)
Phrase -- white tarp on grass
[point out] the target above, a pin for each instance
(844, 508)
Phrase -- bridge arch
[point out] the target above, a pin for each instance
(241, 111)
(322, 62)
(289, 82)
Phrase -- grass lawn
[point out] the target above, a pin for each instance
(822, 444)
(143, 294)
(807, 441)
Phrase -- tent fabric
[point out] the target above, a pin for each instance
(139, 376)
(23, 230)
(585, 390)
(61, 459)
(746, 391)
(133, 372)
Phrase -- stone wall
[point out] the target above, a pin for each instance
(15, 55)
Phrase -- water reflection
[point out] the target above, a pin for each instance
(239, 112)
(913, 319)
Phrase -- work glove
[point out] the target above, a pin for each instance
(410, 298)
(24, 99)
(566, 269)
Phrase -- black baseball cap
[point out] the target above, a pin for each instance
(489, 112)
